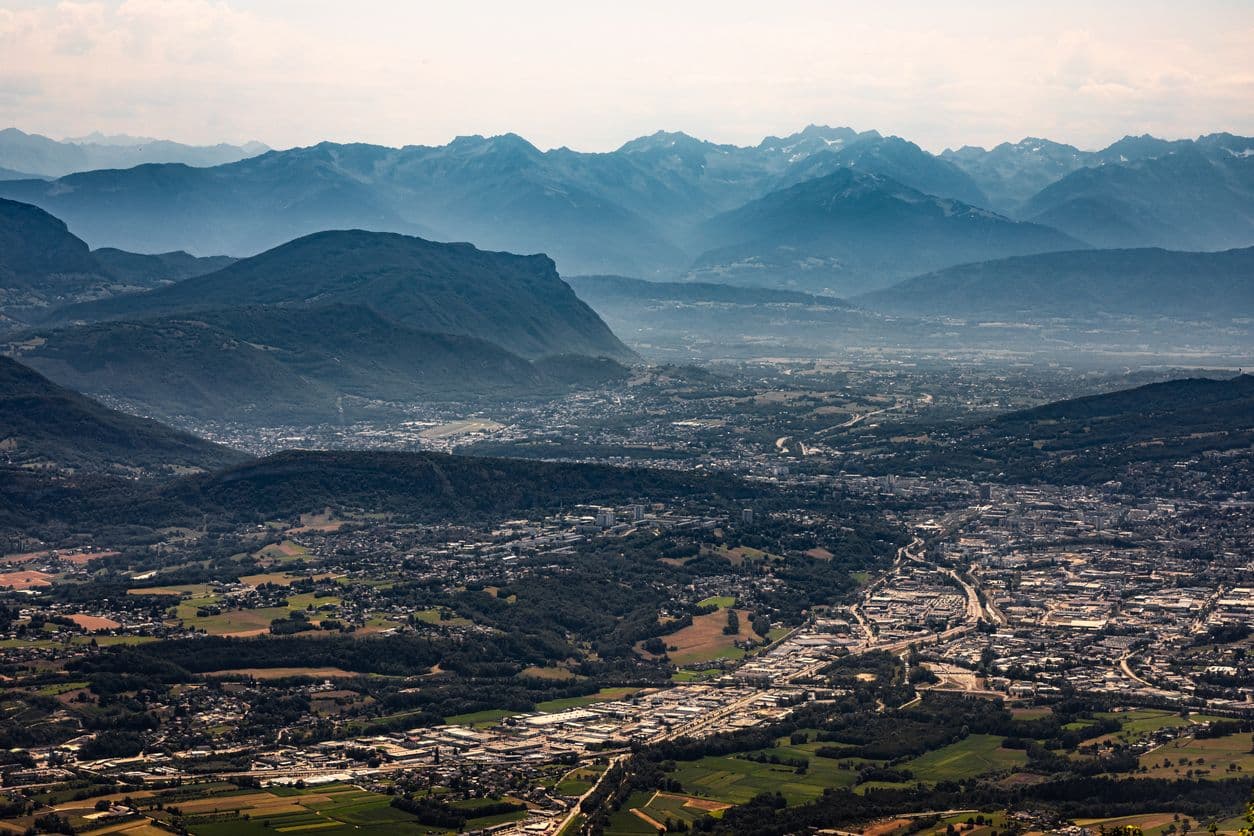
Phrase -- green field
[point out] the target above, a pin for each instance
(60, 688)
(1216, 758)
(737, 781)
(974, 755)
(487, 717)
(659, 807)
(327, 810)
(578, 781)
(604, 695)
(720, 601)
(330, 810)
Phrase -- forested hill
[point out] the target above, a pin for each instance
(431, 486)
(516, 301)
(1170, 406)
(43, 425)
(419, 487)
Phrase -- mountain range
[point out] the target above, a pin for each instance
(39, 156)
(1199, 197)
(851, 230)
(1009, 174)
(658, 205)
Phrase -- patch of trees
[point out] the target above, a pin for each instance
(112, 744)
(431, 812)
(1223, 728)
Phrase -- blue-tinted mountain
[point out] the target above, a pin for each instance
(145, 270)
(1138, 282)
(44, 265)
(894, 158)
(1132, 149)
(10, 174)
(635, 210)
(851, 231)
(1199, 197)
(517, 302)
(235, 209)
(1009, 174)
(44, 157)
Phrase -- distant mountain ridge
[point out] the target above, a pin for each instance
(1141, 282)
(1200, 197)
(647, 208)
(633, 211)
(850, 231)
(1201, 399)
(44, 157)
(1011, 174)
(1119, 436)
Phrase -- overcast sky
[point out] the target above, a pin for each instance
(592, 74)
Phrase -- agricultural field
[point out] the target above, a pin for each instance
(705, 641)
(720, 601)
(736, 780)
(974, 755)
(648, 812)
(551, 673)
(1151, 824)
(740, 554)
(219, 809)
(483, 719)
(579, 780)
(195, 599)
(284, 552)
(604, 695)
(334, 809)
(1219, 757)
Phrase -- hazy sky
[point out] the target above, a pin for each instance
(591, 74)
